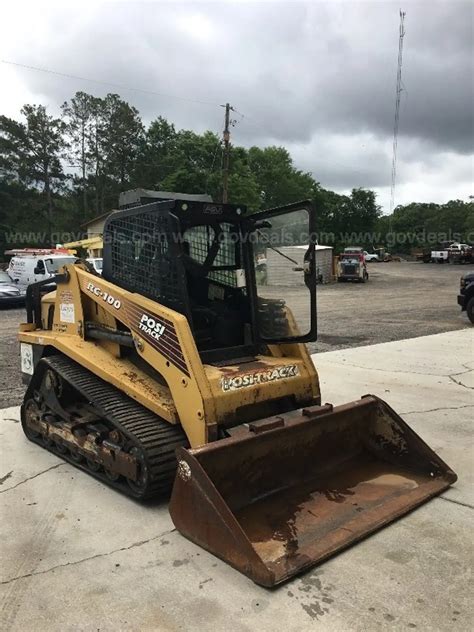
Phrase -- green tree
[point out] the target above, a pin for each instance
(327, 204)
(33, 151)
(426, 224)
(243, 185)
(345, 220)
(79, 113)
(195, 164)
(157, 154)
(123, 131)
(468, 229)
(277, 178)
(362, 211)
(114, 139)
(106, 138)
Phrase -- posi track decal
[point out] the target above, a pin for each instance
(259, 377)
(158, 331)
(151, 326)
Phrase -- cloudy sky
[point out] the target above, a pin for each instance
(316, 77)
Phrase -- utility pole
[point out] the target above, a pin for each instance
(226, 157)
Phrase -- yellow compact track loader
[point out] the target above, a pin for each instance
(183, 361)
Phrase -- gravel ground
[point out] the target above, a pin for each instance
(401, 300)
(11, 387)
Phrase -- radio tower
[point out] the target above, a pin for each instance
(397, 109)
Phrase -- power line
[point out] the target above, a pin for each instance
(249, 119)
(108, 83)
(397, 109)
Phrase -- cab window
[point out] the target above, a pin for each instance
(54, 265)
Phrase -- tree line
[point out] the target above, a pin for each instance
(58, 172)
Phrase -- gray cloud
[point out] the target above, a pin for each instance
(302, 74)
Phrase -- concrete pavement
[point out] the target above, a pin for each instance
(78, 556)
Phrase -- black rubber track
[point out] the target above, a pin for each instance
(156, 438)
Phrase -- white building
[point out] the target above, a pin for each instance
(280, 270)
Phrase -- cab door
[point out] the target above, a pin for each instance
(284, 273)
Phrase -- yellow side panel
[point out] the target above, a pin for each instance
(197, 396)
(119, 372)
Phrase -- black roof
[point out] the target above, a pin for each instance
(137, 197)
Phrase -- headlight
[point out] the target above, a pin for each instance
(463, 282)
(7, 294)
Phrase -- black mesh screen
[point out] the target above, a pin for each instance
(198, 241)
(139, 256)
(225, 257)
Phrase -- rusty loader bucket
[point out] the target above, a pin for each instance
(285, 493)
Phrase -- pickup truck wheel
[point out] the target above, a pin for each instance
(470, 309)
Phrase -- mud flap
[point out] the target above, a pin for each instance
(285, 493)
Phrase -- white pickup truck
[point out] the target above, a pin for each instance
(371, 256)
(453, 253)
